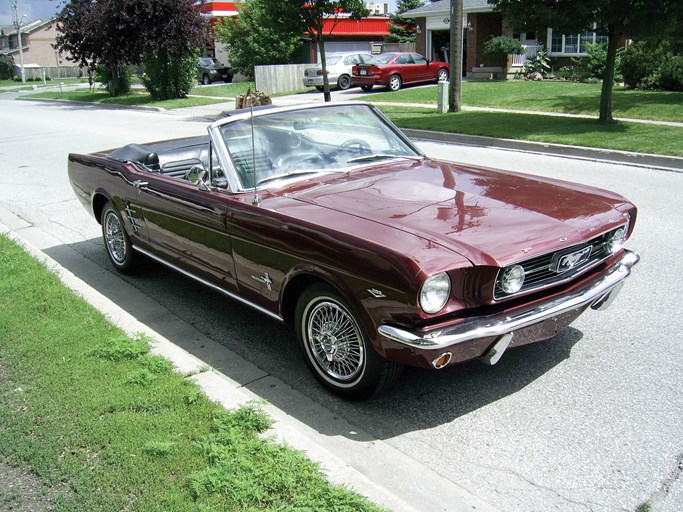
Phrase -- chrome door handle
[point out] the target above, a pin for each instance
(140, 183)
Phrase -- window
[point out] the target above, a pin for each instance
(572, 44)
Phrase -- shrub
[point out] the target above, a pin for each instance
(168, 77)
(642, 62)
(540, 63)
(671, 74)
(566, 72)
(6, 67)
(116, 79)
(597, 57)
(504, 45)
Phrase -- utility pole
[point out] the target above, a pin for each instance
(455, 57)
(17, 24)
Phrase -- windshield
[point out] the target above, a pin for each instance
(288, 145)
(207, 61)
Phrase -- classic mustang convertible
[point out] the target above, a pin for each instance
(328, 218)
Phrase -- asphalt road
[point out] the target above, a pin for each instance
(589, 421)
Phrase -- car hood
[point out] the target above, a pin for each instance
(488, 216)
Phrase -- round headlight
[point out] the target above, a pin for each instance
(615, 240)
(435, 292)
(512, 279)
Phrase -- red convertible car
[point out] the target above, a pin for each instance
(328, 218)
(393, 70)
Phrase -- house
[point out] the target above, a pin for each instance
(480, 23)
(37, 38)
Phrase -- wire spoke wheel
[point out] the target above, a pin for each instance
(336, 347)
(116, 241)
(114, 237)
(335, 341)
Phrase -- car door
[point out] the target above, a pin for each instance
(423, 72)
(404, 66)
(186, 226)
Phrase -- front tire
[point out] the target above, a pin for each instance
(206, 80)
(335, 347)
(395, 83)
(116, 241)
(442, 76)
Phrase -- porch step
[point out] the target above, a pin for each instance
(491, 73)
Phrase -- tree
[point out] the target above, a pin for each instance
(254, 37)
(318, 19)
(117, 33)
(402, 30)
(617, 19)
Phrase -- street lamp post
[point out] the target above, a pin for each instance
(17, 24)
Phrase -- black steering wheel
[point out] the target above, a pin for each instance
(355, 145)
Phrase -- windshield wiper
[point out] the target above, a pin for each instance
(300, 173)
(381, 156)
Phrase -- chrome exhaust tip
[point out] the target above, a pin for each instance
(442, 360)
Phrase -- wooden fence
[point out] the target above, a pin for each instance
(280, 78)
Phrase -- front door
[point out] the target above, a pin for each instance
(187, 227)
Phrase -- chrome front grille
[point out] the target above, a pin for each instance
(539, 273)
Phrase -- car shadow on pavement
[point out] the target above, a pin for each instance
(422, 399)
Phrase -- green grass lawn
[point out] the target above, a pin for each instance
(225, 90)
(90, 411)
(551, 96)
(198, 96)
(638, 137)
(50, 83)
(141, 99)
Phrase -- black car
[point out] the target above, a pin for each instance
(210, 70)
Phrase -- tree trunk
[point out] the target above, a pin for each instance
(323, 60)
(608, 76)
(455, 57)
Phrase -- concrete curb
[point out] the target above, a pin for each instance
(348, 455)
(640, 159)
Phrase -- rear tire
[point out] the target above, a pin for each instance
(116, 241)
(366, 88)
(395, 83)
(335, 347)
(344, 82)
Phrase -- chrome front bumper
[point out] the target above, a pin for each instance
(599, 295)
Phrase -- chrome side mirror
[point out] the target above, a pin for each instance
(197, 175)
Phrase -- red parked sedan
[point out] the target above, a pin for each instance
(395, 69)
